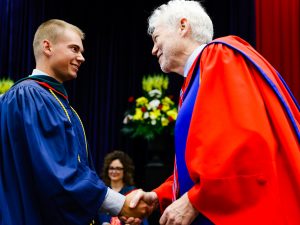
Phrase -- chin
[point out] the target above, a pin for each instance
(72, 76)
(165, 70)
(115, 179)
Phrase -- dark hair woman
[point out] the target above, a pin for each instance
(117, 173)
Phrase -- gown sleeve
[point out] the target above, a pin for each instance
(44, 151)
(164, 193)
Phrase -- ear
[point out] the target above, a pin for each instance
(184, 27)
(47, 47)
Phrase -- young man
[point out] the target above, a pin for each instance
(237, 131)
(45, 166)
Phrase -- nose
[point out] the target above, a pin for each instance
(154, 50)
(80, 57)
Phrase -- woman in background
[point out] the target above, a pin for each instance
(117, 173)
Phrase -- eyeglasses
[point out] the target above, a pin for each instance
(119, 169)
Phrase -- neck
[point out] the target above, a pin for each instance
(48, 71)
(117, 185)
(186, 53)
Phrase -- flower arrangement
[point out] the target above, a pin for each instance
(5, 84)
(152, 114)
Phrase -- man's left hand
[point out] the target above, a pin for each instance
(180, 212)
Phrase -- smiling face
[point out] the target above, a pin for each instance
(171, 47)
(65, 55)
(116, 171)
(165, 47)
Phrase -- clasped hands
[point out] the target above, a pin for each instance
(140, 204)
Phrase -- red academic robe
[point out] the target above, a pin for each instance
(242, 146)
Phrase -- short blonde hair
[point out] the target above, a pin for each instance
(50, 30)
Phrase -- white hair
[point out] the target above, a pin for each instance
(170, 14)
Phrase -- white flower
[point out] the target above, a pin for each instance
(153, 122)
(155, 92)
(154, 104)
(127, 119)
(146, 115)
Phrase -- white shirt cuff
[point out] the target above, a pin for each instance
(113, 202)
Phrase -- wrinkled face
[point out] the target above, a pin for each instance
(66, 56)
(116, 170)
(166, 47)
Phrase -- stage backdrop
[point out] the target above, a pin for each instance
(278, 38)
(118, 54)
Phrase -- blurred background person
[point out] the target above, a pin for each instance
(117, 173)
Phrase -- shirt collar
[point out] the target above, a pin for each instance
(44, 77)
(192, 58)
(38, 72)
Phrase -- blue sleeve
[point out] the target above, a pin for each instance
(42, 150)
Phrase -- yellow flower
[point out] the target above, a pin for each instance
(167, 100)
(154, 114)
(166, 103)
(165, 107)
(5, 85)
(164, 122)
(141, 101)
(138, 114)
(147, 85)
(156, 81)
(173, 114)
(165, 83)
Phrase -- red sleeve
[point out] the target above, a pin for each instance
(235, 153)
(164, 193)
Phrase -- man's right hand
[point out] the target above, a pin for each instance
(140, 210)
(149, 197)
(138, 205)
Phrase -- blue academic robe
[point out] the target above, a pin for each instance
(46, 175)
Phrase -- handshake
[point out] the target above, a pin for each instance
(138, 205)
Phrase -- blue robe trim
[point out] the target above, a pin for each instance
(181, 132)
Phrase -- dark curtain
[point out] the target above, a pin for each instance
(18, 21)
(117, 52)
(232, 17)
(278, 36)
